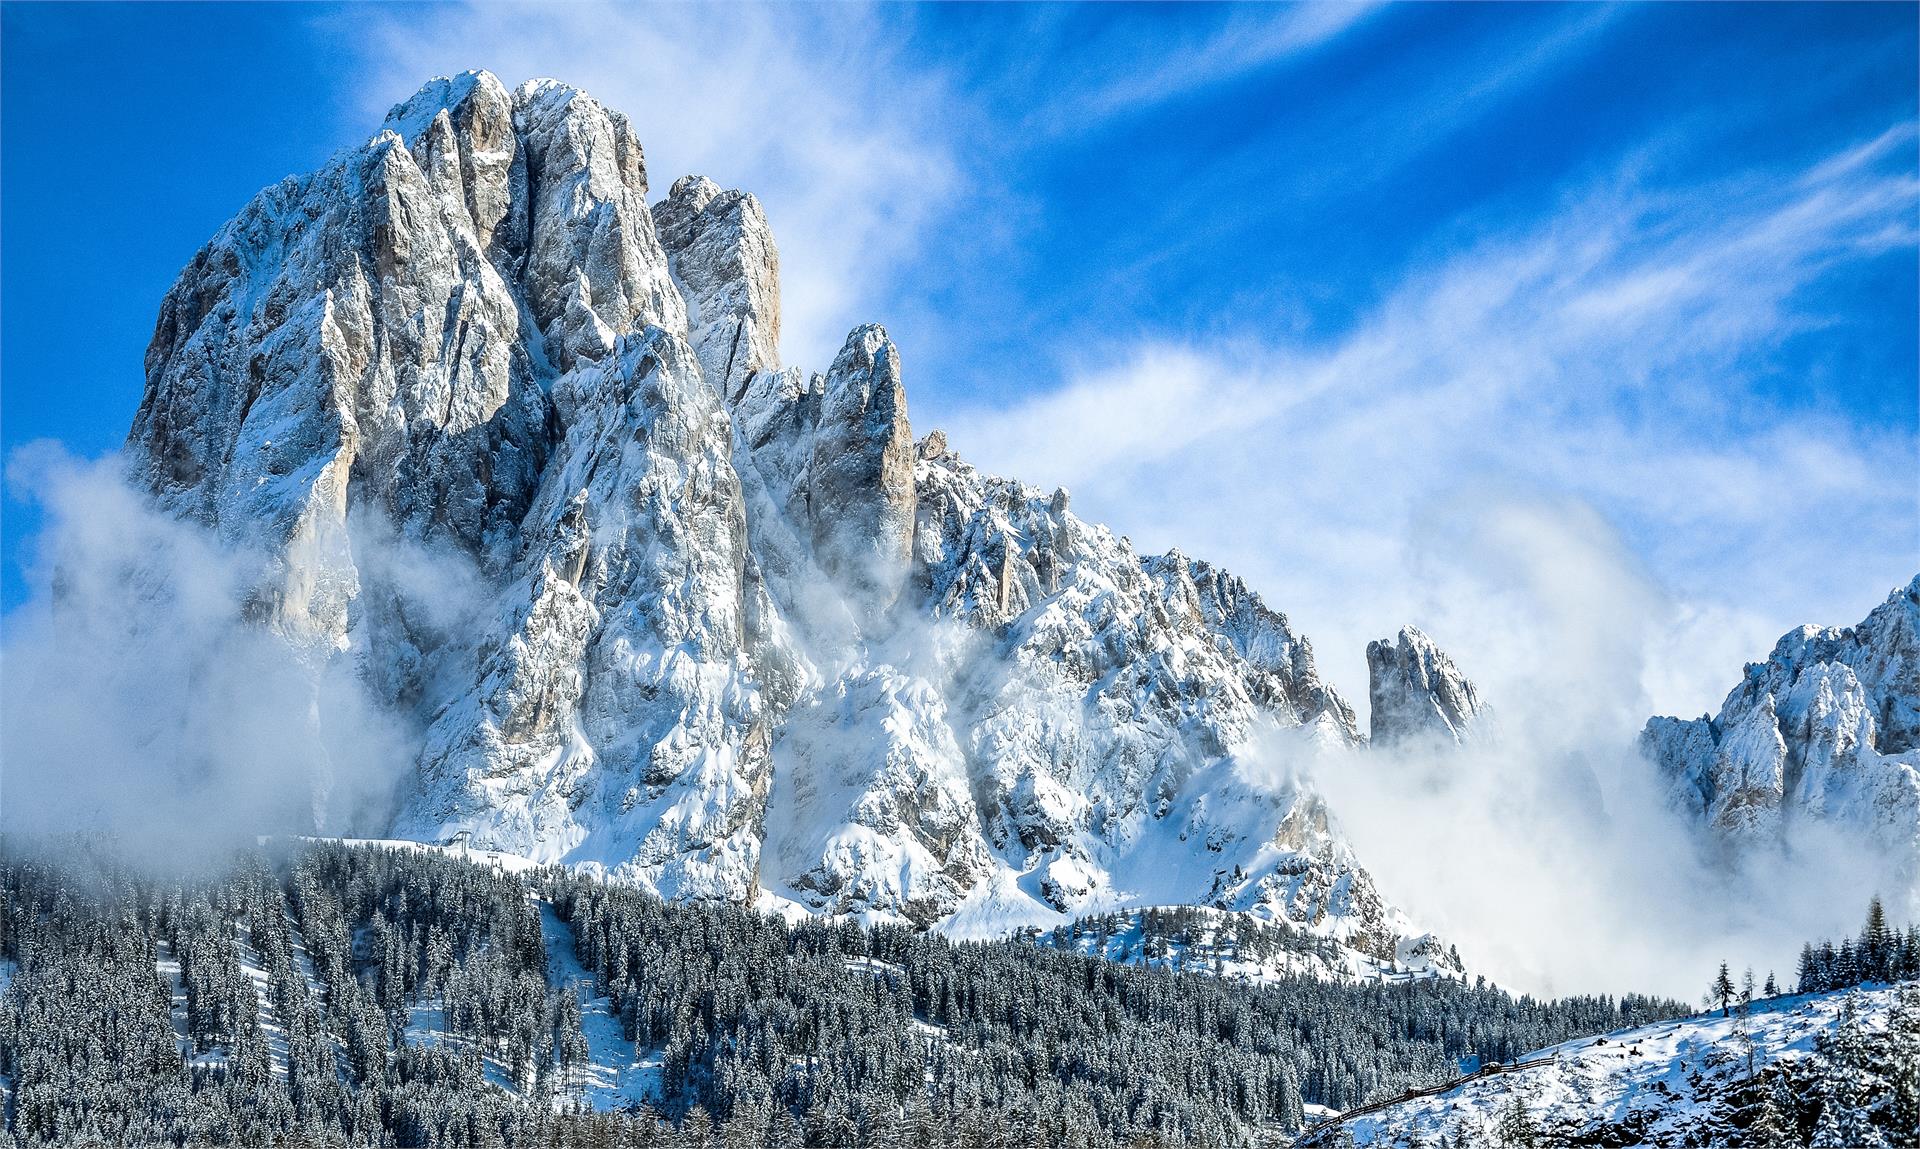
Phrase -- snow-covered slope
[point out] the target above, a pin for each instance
(1826, 732)
(1822, 1064)
(520, 447)
(1242, 946)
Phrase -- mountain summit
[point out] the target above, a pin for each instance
(1416, 693)
(1826, 731)
(723, 627)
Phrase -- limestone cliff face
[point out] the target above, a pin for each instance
(1417, 694)
(386, 326)
(860, 489)
(724, 258)
(1826, 731)
(723, 627)
(618, 714)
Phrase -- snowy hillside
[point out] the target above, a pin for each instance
(516, 446)
(1840, 1068)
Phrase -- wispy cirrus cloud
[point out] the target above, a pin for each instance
(1609, 360)
(1563, 450)
(1153, 70)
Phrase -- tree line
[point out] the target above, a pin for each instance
(1881, 953)
(337, 994)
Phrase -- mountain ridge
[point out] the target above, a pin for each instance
(735, 632)
(519, 447)
(1826, 731)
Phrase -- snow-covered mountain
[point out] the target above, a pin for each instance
(1825, 733)
(520, 446)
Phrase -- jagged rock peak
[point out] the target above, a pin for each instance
(724, 258)
(1827, 730)
(1416, 693)
(1280, 660)
(685, 199)
(860, 485)
(722, 629)
(386, 321)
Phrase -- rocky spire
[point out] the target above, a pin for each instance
(723, 255)
(1416, 693)
(860, 488)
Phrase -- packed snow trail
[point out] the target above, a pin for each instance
(272, 1030)
(615, 1076)
(303, 964)
(168, 966)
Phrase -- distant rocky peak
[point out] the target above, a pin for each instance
(1417, 693)
(1823, 732)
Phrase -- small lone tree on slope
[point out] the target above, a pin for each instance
(1721, 992)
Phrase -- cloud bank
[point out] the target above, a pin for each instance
(139, 698)
(1559, 453)
(1545, 846)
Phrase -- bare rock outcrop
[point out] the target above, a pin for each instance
(860, 488)
(723, 255)
(1825, 733)
(1417, 694)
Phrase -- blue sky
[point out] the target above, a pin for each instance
(1579, 335)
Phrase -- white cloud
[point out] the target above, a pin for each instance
(1248, 40)
(1155, 406)
(811, 108)
(1599, 361)
(140, 699)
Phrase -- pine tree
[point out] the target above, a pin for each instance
(1721, 992)
(1515, 1127)
(1772, 1127)
(1902, 1069)
(1846, 966)
(1876, 946)
(1844, 1089)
